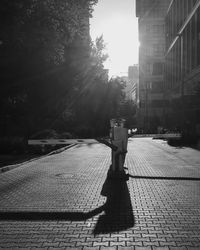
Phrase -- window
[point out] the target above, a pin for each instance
(159, 103)
(157, 69)
(157, 87)
(148, 51)
(149, 68)
(158, 49)
(158, 29)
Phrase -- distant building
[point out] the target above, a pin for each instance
(151, 21)
(182, 70)
(132, 84)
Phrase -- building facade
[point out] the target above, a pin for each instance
(131, 89)
(151, 23)
(182, 68)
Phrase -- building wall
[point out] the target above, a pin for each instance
(182, 69)
(151, 21)
(132, 84)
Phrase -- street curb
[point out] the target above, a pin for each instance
(57, 151)
(10, 167)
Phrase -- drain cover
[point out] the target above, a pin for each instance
(65, 175)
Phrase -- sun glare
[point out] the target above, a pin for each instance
(122, 45)
(120, 33)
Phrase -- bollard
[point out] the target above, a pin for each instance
(119, 138)
(118, 144)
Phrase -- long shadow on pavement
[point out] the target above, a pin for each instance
(165, 178)
(38, 215)
(118, 212)
(117, 216)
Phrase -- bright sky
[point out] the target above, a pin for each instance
(116, 20)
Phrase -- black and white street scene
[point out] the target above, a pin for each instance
(100, 124)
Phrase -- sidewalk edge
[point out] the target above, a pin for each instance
(10, 167)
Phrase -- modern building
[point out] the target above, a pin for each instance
(151, 21)
(182, 68)
(132, 88)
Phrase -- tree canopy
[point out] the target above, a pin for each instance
(51, 73)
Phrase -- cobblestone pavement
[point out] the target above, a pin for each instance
(64, 201)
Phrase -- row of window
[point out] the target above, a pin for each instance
(154, 69)
(155, 104)
(153, 87)
(155, 29)
(177, 14)
(184, 56)
(157, 49)
(150, 8)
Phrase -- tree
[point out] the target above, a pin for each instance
(128, 112)
(52, 74)
(37, 39)
(91, 91)
(46, 26)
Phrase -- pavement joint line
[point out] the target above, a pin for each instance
(13, 166)
(59, 202)
(164, 178)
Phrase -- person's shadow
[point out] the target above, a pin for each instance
(118, 212)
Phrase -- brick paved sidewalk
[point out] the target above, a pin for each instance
(64, 201)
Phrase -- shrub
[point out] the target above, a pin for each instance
(45, 134)
(66, 135)
(13, 145)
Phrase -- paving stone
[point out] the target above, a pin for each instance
(114, 243)
(125, 238)
(133, 244)
(50, 244)
(178, 248)
(126, 248)
(105, 244)
(87, 244)
(91, 248)
(67, 244)
(148, 243)
(151, 214)
(143, 248)
(109, 239)
(192, 248)
(108, 248)
(58, 248)
(168, 243)
(161, 248)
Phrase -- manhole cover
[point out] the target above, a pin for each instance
(65, 175)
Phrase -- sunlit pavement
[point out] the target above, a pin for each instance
(64, 201)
